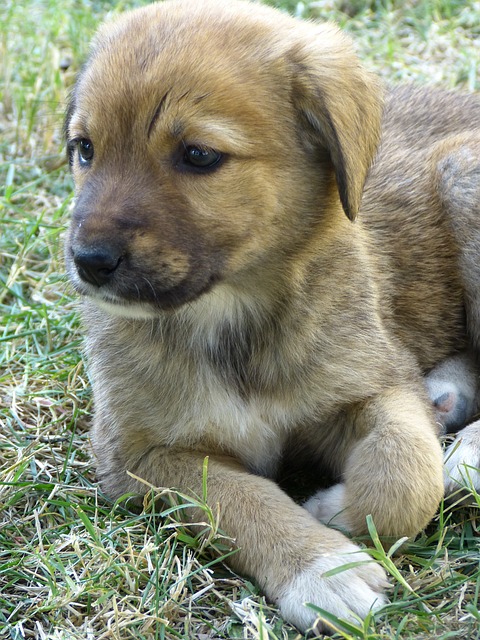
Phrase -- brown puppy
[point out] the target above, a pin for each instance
(235, 309)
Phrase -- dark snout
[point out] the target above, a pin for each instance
(97, 265)
(104, 225)
(138, 248)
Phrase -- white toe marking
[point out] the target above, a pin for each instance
(462, 460)
(328, 506)
(349, 594)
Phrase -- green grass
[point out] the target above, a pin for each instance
(73, 565)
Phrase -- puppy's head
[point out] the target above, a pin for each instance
(206, 140)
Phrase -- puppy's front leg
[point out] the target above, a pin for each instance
(393, 472)
(280, 545)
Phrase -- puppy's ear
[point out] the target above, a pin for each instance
(340, 107)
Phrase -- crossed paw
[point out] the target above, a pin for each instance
(349, 594)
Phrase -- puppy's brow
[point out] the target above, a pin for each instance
(158, 111)
(223, 133)
(177, 128)
(77, 128)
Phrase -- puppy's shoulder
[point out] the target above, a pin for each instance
(418, 115)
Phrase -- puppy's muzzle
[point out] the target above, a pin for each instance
(97, 265)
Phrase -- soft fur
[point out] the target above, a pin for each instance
(240, 311)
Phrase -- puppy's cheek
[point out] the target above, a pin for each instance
(165, 265)
(157, 269)
(78, 176)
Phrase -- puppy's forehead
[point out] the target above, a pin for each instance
(212, 56)
(228, 26)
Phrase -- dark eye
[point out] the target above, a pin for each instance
(85, 151)
(201, 157)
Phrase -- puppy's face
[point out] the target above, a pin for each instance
(204, 148)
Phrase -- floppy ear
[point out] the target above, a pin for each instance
(340, 106)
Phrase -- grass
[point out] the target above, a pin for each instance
(73, 565)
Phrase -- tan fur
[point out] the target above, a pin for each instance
(241, 314)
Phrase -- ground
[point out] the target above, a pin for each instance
(73, 565)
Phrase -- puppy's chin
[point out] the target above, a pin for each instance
(130, 311)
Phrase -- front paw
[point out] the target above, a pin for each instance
(350, 594)
(462, 461)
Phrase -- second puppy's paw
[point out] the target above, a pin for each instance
(350, 594)
(328, 506)
(462, 460)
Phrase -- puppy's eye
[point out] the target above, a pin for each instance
(201, 157)
(85, 151)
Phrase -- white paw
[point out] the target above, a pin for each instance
(349, 594)
(328, 506)
(462, 460)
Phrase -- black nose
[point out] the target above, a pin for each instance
(97, 266)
